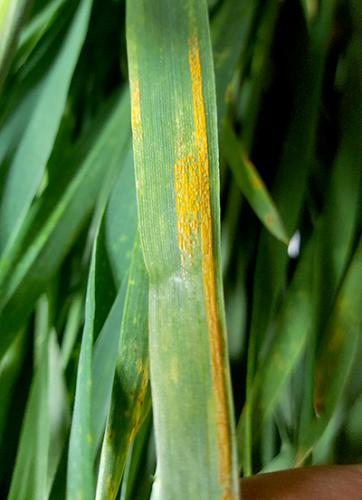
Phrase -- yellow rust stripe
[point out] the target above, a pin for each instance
(194, 219)
(187, 191)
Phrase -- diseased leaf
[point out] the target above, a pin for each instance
(176, 162)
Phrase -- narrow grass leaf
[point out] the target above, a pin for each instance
(104, 363)
(71, 329)
(80, 462)
(30, 472)
(120, 237)
(59, 410)
(130, 395)
(119, 241)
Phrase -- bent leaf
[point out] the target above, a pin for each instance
(251, 184)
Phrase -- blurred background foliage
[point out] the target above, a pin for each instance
(289, 93)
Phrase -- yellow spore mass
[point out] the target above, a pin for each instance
(194, 228)
(187, 206)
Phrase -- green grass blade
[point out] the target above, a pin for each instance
(130, 394)
(28, 166)
(119, 241)
(80, 461)
(45, 427)
(59, 411)
(251, 184)
(30, 473)
(176, 160)
(104, 363)
(120, 237)
(302, 312)
(71, 329)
